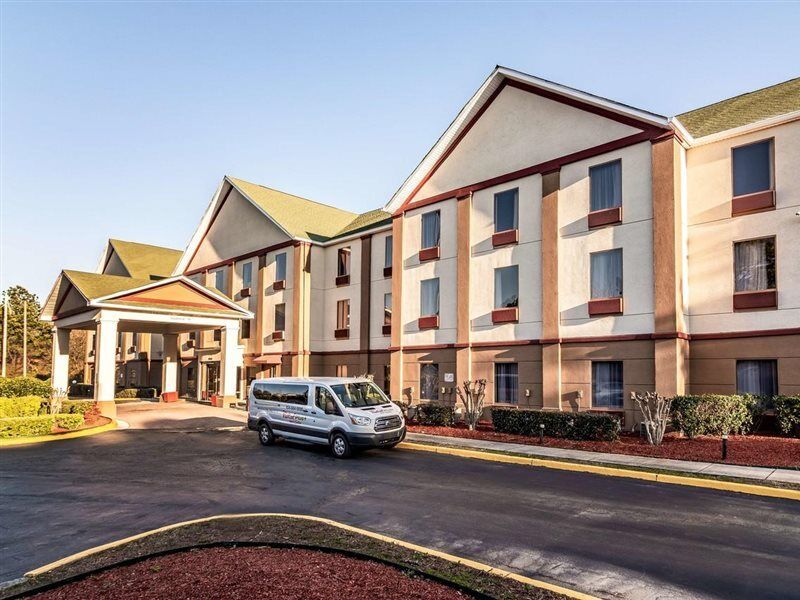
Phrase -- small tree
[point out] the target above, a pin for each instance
(472, 396)
(57, 397)
(656, 410)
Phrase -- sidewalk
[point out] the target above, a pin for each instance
(641, 462)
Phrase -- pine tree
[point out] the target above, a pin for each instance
(39, 334)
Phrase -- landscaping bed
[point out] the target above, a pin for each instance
(252, 572)
(750, 450)
(168, 568)
(96, 421)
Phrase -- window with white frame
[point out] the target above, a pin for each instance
(430, 229)
(387, 252)
(506, 287)
(429, 297)
(607, 385)
(752, 168)
(506, 383)
(758, 377)
(280, 266)
(606, 274)
(429, 381)
(754, 265)
(343, 262)
(506, 210)
(605, 186)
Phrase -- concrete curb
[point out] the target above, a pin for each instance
(715, 484)
(378, 536)
(40, 439)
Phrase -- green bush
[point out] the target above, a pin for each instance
(787, 413)
(26, 426)
(68, 421)
(436, 415)
(27, 406)
(144, 392)
(572, 426)
(711, 414)
(78, 407)
(15, 387)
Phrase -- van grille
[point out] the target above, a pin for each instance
(384, 423)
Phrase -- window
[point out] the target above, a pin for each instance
(281, 392)
(219, 281)
(605, 185)
(506, 287)
(343, 314)
(280, 266)
(430, 229)
(387, 252)
(387, 309)
(247, 275)
(245, 330)
(341, 371)
(355, 395)
(429, 297)
(325, 402)
(606, 274)
(280, 317)
(343, 262)
(217, 335)
(429, 381)
(505, 210)
(759, 377)
(754, 265)
(506, 383)
(752, 168)
(607, 384)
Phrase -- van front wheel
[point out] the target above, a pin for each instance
(340, 447)
(265, 435)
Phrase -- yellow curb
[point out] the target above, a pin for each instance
(377, 536)
(37, 439)
(714, 484)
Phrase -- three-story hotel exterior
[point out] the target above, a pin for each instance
(567, 248)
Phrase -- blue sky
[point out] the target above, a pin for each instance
(120, 119)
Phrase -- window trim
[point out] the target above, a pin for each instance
(429, 252)
(613, 305)
(605, 216)
(756, 299)
(516, 210)
(754, 202)
(507, 362)
(777, 373)
(387, 269)
(342, 332)
(343, 278)
(592, 406)
(280, 284)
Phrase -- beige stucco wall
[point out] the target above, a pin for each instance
(712, 232)
(325, 295)
(379, 285)
(239, 228)
(495, 146)
(634, 235)
(271, 297)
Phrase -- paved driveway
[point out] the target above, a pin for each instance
(614, 537)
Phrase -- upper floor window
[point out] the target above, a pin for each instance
(752, 168)
(430, 229)
(429, 297)
(387, 252)
(506, 287)
(607, 384)
(247, 275)
(220, 281)
(605, 183)
(506, 383)
(754, 265)
(343, 262)
(387, 309)
(245, 330)
(759, 377)
(505, 210)
(606, 274)
(280, 266)
(280, 317)
(343, 314)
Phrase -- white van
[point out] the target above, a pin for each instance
(346, 413)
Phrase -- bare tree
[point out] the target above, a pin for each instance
(656, 410)
(472, 396)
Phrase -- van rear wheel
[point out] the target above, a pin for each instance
(340, 447)
(265, 435)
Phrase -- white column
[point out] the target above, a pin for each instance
(230, 358)
(169, 363)
(59, 374)
(105, 359)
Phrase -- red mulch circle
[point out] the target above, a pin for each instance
(249, 573)
(751, 450)
(89, 423)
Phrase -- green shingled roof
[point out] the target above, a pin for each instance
(303, 218)
(144, 261)
(742, 110)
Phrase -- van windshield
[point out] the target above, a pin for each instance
(355, 395)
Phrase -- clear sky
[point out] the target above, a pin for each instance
(120, 119)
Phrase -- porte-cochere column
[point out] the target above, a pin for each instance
(105, 353)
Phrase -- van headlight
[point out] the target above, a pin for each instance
(357, 420)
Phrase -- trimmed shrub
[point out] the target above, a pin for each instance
(65, 421)
(26, 426)
(711, 414)
(79, 407)
(572, 426)
(26, 406)
(436, 415)
(144, 392)
(16, 387)
(787, 413)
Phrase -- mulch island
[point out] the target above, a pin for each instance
(246, 557)
(89, 423)
(750, 450)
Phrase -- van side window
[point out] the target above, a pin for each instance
(281, 392)
(325, 402)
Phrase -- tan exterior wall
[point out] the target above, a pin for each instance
(412, 359)
(529, 361)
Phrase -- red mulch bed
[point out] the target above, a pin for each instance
(752, 450)
(249, 573)
(89, 423)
